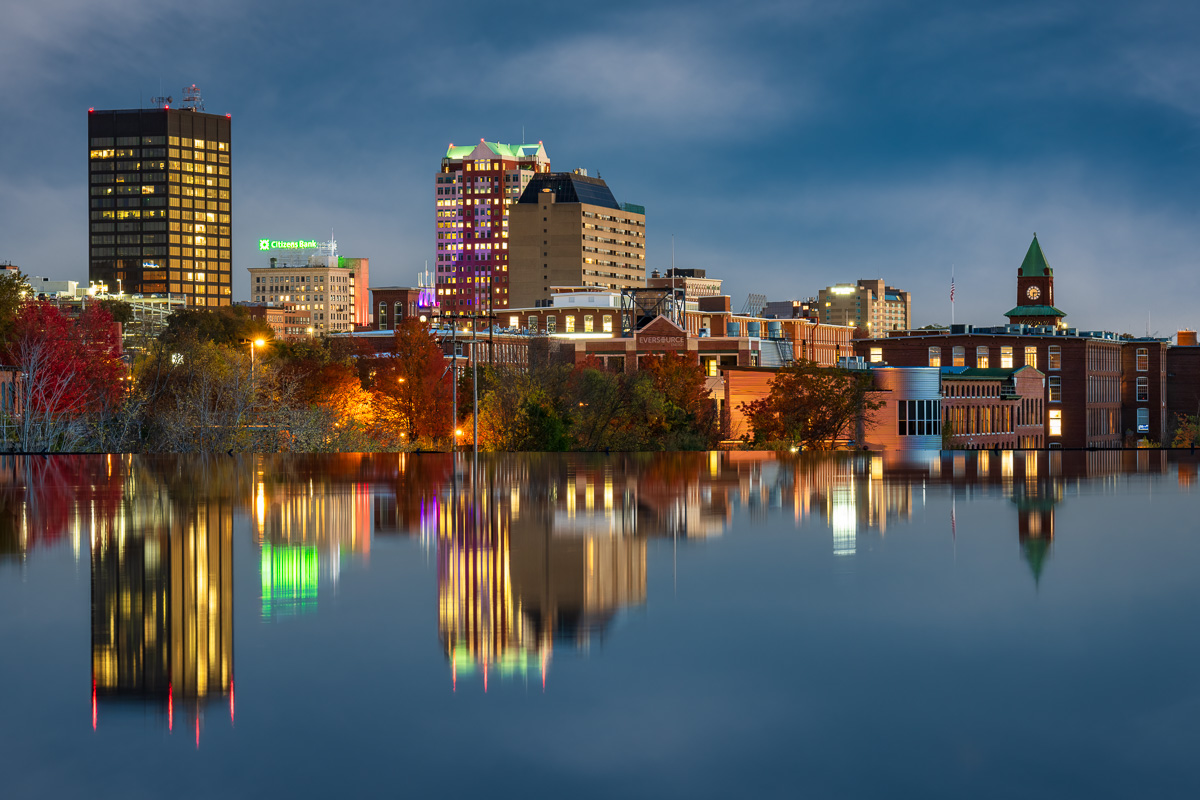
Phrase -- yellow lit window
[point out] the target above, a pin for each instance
(1055, 422)
(1006, 358)
(570, 323)
(1031, 357)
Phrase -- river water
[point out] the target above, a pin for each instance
(1004, 624)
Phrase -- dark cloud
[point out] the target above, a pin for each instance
(785, 145)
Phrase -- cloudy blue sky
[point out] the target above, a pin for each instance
(786, 145)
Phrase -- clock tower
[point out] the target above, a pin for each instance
(1035, 291)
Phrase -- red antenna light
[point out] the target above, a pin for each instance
(91, 109)
(229, 116)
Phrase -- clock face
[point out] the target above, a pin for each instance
(1033, 293)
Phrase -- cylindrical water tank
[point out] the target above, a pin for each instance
(754, 327)
(1186, 339)
(774, 329)
(733, 329)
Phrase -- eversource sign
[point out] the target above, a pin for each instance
(298, 244)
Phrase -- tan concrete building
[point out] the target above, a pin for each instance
(869, 305)
(567, 229)
(694, 282)
(331, 291)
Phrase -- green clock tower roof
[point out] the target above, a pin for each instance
(1034, 265)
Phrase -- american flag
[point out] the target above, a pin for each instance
(951, 290)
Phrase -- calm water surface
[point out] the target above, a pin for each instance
(699, 625)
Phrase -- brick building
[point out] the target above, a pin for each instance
(994, 408)
(1093, 395)
(285, 320)
(1183, 377)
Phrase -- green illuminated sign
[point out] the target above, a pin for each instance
(298, 244)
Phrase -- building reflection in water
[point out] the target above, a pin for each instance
(534, 553)
(310, 513)
(162, 589)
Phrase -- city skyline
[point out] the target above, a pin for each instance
(900, 145)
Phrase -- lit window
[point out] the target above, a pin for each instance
(570, 326)
(1055, 422)
(1055, 384)
(1031, 357)
(1143, 390)
(514, 322)
(607, 323)
(935, 356)
(981, 357)
(587, 323)
(1054, 356)
(960, 356)
(1006, 358)
(1143, 359)
(876, 355)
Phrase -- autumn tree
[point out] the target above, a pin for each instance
(691, 413)
(412, 385)
(811, 406)
(225, 325)
(71, 372)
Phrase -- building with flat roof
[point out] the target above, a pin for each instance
(567, 229)
(475, 188)
(869, 305)
(160, 202)
(331, 291)
(694, 282)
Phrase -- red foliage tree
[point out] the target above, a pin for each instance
(412, 386)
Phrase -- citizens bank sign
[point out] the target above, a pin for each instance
(297, 244)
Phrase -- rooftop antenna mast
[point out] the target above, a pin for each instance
(192, 100)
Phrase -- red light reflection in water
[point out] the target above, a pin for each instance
(93, 704)
(170, 708)
(454, 675)
(231, 701)
(197, 731)
(485, 666)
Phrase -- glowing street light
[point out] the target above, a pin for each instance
(253, 346)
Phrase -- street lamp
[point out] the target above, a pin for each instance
(254, 344)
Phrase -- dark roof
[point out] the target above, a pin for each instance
(975, 373)
(568, 187)
(1034, 265)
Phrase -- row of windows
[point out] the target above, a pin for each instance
(958, 355)
(174, 141)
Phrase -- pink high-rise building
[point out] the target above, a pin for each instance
(475, 187)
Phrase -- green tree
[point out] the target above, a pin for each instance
(225, 325)
(14, 291)
(811, 406)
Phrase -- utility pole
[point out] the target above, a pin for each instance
(454, 389)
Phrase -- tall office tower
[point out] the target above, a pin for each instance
(568, 230)
(475, 188)
(159, 180)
